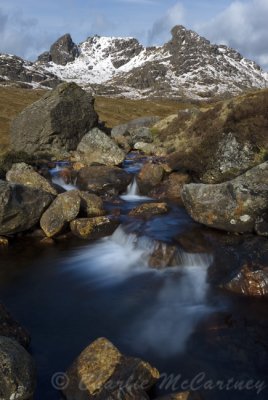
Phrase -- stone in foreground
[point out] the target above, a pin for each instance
(98, 147)
(56, 123)
(21, 207)
(233, 206)
(93, 228)
(17, 371)
(102, 372)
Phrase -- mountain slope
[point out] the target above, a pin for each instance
(188, 66)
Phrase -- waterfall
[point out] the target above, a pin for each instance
(58, 180)
(132, 193)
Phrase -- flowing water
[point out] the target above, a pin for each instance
(72, 293)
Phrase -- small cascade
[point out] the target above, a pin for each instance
(132, 193)
(58, 180)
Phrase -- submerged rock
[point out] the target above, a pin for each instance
(149, 176)
(21, 207)
(56, 123)
(251, 280)
(149, 210)
(25, 174)
(12, 329)
(17, 371)
(233, 206)
(98, 147)
(93, 228)
(102, 372)
(64, 209)
(103, 180)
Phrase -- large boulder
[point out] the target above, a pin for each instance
(12, 329)
(64, 50)
(25, 174)
(102, 372)
(63, 210)
(17, 371)
(233, 206)
(21, 207)
(96, 146)
(56, 123)
(103, 180)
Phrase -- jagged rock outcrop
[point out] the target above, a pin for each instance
(188, 66)
(56, 123)
(64, 50)
(15, 69)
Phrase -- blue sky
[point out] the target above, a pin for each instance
(27, 28)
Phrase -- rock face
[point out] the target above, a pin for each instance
(17, 371)
(12, 329)
(103, 180)
(233, 206)
(64, 209)
(64, 50)
(220, 142)
(102, 372)
(96, 146)
(188, 66)
(56, 123)
(21, 207)
(93, 228)
(24, 174)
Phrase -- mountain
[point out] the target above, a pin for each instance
(188, 66)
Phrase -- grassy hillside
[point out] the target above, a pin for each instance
(111, 111)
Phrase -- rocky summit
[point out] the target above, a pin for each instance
(186, 67)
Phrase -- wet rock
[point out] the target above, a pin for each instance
(149, 176)
(251, 280)
(171, 187)
(25, 174)
(102, 372)
(21, 207)
(149, 210)
(93, 228)
(123, 130)
(164, 256)
(91, 205)
(56, 123)
(103, 180)
(96, 146)
(12, 329)
(231, 206)
(17, 371)
(261, 225)
(64, 50)
(64, 209)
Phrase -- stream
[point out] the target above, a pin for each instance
(69, 294)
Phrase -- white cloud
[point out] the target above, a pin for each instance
(243, 26)
(160, 29)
